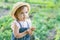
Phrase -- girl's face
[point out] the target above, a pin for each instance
(23, 14)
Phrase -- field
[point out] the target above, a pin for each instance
(45, 16)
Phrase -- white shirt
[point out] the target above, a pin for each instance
(23, 23)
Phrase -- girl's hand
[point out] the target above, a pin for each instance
(29, 31)
(32, 28)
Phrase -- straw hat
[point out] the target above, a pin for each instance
(17, 5)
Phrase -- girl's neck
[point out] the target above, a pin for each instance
(20, 20)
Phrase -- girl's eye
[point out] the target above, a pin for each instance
(26, 12)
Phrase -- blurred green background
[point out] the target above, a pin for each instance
(45, 16)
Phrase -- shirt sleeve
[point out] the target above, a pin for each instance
(12, 25)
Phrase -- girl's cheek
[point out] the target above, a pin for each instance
(22, 16)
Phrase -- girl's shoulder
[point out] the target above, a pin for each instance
(13, 22)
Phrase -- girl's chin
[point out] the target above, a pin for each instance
(22, 19)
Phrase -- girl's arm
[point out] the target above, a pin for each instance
(16, 31)
(17, 34)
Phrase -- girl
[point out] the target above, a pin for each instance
(21, 26)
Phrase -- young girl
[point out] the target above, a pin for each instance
(21, 26)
